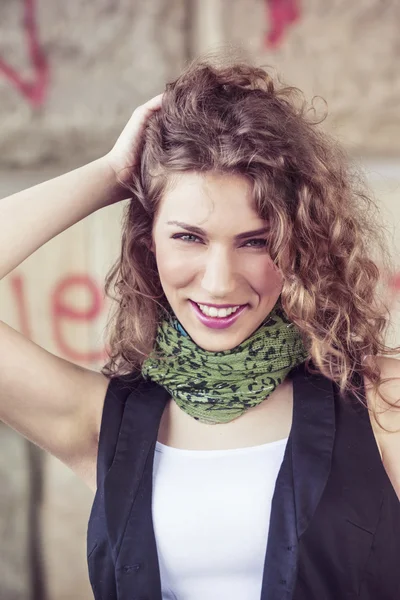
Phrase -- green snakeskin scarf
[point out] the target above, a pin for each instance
(218, 387)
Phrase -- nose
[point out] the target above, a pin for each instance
(219, 274)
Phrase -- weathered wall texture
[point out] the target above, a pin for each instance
(14, 511)
(346, 52)
(105, 58)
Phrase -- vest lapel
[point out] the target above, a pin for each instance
(313, 441)
(135, 449)
(301, 480)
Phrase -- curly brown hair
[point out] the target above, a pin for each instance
(326, 236)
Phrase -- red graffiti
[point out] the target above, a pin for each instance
(18, 288)
(281, 14)
(62, 311)
(394, 282)
(35, 89)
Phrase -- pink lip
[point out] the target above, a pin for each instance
(219, 305)
(217, 322)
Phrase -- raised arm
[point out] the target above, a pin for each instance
(52, 402)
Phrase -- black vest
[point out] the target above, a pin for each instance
(335, 518)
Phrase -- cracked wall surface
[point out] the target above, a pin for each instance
(346, 52)
(108, 56)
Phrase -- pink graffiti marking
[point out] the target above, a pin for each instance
(281, 14)
(34, 90)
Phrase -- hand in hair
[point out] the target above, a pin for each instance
(126, 151)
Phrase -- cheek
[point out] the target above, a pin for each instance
(264, 277)
(173, 271)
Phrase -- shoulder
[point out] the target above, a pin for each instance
(390, 369)
(385, 419)
(120, 386)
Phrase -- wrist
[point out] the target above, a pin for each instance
(114, 182)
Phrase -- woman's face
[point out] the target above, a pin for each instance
(210, 248)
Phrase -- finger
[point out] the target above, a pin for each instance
(151, 105)
(142, 113)
(130, 136)
(156, 101)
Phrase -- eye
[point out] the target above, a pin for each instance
(256, 243)
(185, 237)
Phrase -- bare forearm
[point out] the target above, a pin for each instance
(34, 216)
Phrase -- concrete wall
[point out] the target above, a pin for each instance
(105, 58)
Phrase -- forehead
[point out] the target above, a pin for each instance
(209, 200)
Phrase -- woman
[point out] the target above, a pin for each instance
(231, 439)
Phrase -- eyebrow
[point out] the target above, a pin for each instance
(199, 231)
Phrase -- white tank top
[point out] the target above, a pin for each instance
(211, 511)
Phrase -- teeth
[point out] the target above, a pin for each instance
(211, 311)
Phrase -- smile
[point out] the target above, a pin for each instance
(213, 311)
(217, 318)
